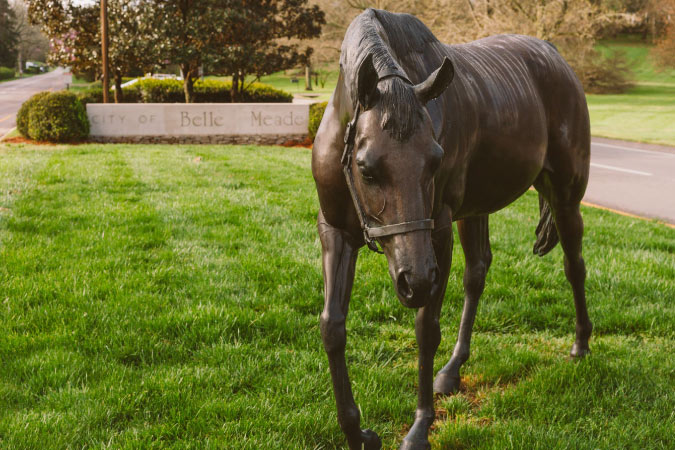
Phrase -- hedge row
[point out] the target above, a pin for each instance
(205, 91)
(54, 117)
(6, 73)
(130, 94)
(316, 111)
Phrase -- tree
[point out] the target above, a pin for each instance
(234, 37)
(32, 43)
(8, 35)
(130, 51)
(75, 35)
(664, 50)
(185, 33)
(264, 37)
(572, 25)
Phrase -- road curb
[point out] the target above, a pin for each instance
(627, 214)
(7, 134)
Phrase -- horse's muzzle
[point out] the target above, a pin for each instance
(415, 290)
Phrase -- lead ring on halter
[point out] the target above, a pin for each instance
(371, 233)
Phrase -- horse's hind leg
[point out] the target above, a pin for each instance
(475, 238)
(565, 198)
(570, 229)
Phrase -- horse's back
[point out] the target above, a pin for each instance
(527, 111)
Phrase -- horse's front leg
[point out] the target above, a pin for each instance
(428, 334)
(339, 261)
(474, 235)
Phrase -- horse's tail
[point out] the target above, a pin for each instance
(547, 234)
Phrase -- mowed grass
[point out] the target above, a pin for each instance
(168, 297)
(645, 113)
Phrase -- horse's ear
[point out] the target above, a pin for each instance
(437, 82)
(367, 82)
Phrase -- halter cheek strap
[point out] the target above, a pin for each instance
(371, 233)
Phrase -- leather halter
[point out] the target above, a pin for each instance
(371, 233)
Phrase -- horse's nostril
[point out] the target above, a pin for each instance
(403, 285)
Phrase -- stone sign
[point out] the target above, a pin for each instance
(145, 120)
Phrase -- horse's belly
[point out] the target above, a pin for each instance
(497, 175)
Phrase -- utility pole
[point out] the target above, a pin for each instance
(104, 50)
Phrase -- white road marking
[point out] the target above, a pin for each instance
(654, 152)
(620, 169)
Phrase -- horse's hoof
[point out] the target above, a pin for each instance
(446, 384)
(579, 350)
(371, 441)
(409, 444)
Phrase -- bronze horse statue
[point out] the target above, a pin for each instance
(419, 134)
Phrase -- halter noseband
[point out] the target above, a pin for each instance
(371, 233)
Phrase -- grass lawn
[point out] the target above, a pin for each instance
(646, 112)
(168, 297)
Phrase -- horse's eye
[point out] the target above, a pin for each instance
(365, 170)
(366, 174)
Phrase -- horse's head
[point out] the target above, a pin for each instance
(395, 160)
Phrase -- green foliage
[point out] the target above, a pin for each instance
(208, 91)
(74, 30)
(6, 73)
(130, 94)
(169, 297)
(23, 115)
(161, 91)
(9, 35)
(33, 70)
(212, 91)
(316, 111)
(264, 37)
(604, 75)
(58, 117)
(262, 93)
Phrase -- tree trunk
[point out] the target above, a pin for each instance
(20, 64)
(188, 83)
(308, 78)
(118, 87)
(234, 90)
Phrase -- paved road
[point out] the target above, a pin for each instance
(633, 178)
(14, 93)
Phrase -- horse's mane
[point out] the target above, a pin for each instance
(390, 38)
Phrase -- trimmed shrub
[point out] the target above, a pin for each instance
(208, 91)
(23, 116)
(130, 94)
(212, 91)
(161, 91)
(264, 93)
(58, 117)
(32, 69)
(6, 73)
(316, 111)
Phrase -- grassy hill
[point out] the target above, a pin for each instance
(645, 113)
